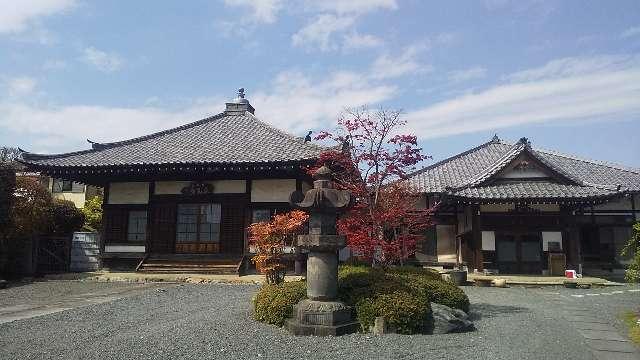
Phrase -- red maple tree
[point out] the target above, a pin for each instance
(386, 223)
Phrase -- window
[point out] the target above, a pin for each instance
(60, 185)
(260, 215)
(137, 229)
(198, 223)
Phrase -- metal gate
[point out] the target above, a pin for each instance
(53, 254)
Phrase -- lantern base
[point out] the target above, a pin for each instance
(322, 318)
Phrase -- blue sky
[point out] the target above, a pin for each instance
(565, 74)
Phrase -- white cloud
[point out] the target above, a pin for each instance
(21, 86)
(356, 41)
(18, 16)
(297, 102)
(476, 72)
(65, 128)
(574, 66)
(630, 32)
(352, 6)
(101, 60)
(395, 65)
(562, 90)
(293, 101)
(318, 33)
(262, 11)
(337, 17)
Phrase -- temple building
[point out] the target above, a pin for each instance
(193, 189)
(513, 208)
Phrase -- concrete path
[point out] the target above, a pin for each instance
(540, 280)
(605, 341)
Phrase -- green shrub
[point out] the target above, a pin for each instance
(400, 294)
(632, 248)
(414, 270)
(93, 214)
(443, 292)
(358, 282)
(274, 303)
(64, 217)
(408, 313)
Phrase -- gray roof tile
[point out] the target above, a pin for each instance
(229, 137)
(465, 173)
(533, 190)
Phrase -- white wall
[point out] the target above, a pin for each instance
(219, 187)
(489, 240)
(272, 190)
(129, 193)
(551, 236)
(616, 204)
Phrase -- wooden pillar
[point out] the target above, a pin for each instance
(149, 236)
(105, 201)
(476, 230)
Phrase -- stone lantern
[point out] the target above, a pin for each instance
(321, 313)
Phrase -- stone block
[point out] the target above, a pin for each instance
(449, 320)
(319, 242)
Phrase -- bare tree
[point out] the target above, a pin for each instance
(8, 154)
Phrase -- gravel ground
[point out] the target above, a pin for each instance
(44, 292)
(212, 321)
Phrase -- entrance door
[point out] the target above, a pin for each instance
(519, 252)
(198, 228)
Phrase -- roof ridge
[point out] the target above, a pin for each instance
(111, 145)
(451, 158)
(286, 134)
(515, 150)
(591, 161)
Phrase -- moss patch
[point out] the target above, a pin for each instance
(631, 320)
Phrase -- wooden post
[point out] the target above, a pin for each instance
(105, 202)
(476, 225)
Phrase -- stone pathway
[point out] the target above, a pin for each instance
(605, 342)
(609, 293)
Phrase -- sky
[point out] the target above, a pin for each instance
(565, 74)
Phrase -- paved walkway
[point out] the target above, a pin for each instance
(605, 341)
(540, 280)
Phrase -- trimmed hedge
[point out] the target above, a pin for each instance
(401, 294)
(274, 303)
(408, 313)
(437, 290)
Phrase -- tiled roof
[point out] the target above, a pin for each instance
(229, 137)
(533, 190)
(468, 174)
